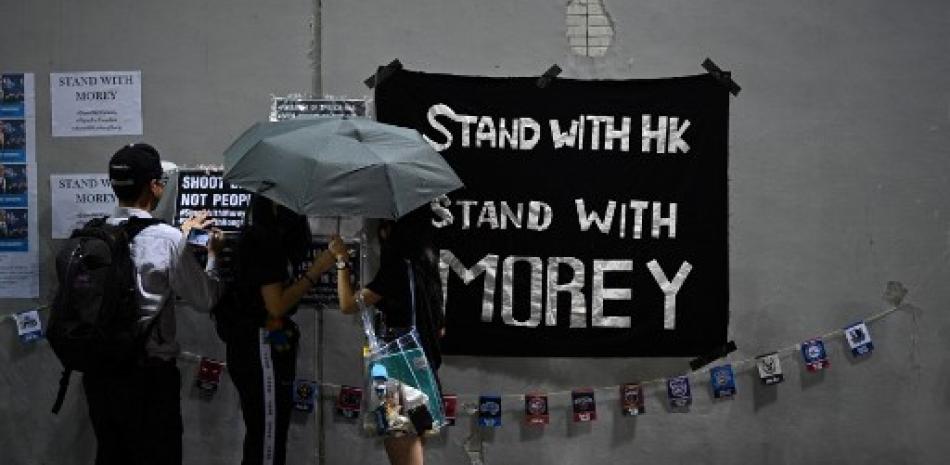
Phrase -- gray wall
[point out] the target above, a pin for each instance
(208, 70)
(838, 183)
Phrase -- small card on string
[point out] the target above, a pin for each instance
(304, 394)
(677, 388)
(209, 375)
(723, 381)
(585, 407)
(348, 402)
(816, 358)
(536, 408)
(859, 339)
(489, 411)
(631, 399)
(770, 368)
(450, 404)
(28, 326)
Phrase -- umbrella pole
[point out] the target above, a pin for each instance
(338, 220)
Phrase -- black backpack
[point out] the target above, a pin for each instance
(93, 324)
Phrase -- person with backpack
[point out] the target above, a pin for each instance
(407, 256)
(255, 321)
(114, 314)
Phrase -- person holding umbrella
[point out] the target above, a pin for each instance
(406, 247)
(260, 334)
(357, 167)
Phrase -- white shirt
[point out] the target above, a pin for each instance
(166, 269)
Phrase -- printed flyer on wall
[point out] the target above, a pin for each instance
(99, 103)
(19, 266)
(78, 198)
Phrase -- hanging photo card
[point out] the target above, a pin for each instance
(859, 339)
(816, 358)
(489, 411)
(770, 368)
(348, 402)
(29, 327)
(450, 406)
(304, 394)
(631, 399)
(677, 389)
(585, 407)
(536, 408)
(209, 375)
(723, 381)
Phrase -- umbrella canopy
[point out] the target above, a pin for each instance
(339, 167)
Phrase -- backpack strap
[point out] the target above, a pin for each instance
(61, 394)
(134, 225)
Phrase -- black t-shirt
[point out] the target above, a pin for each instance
(392, 283)
(262, 261)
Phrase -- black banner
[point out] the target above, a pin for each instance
(594, 218)
(206, 190)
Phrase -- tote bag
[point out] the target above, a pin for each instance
(401, 393)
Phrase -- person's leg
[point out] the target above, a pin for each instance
(285, 371)
(100, 403)
(247, 380)
(159, 395)
(406, 450)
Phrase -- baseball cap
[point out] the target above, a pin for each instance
(134, 165)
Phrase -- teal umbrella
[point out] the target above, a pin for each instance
(339, 167)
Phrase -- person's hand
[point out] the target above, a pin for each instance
(198, 220)
(322, 262)
(338, 248)
(215, 241)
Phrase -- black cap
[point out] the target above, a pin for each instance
(133, 166)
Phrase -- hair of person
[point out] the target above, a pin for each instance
(412, 238)
(270, 221)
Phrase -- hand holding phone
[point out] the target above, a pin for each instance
(198, 237)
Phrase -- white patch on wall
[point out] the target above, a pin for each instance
(589, 28)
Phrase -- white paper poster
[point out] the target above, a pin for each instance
(104, 103)
(78, 198)
(19, 265)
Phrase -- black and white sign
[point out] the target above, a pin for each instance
(206, 190)
(594, 218)
(307, 107)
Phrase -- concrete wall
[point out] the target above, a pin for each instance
(839, 183)
(208, 70)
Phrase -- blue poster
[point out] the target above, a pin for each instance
(12, 141)
(12, 96)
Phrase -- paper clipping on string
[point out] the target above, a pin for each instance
(536, 408)
(28, 326)
(723, 381)
(816, 358)
(770, 368)
(859, 339)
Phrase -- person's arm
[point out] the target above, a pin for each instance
(344, 289)
(200, 287)
(278, 298)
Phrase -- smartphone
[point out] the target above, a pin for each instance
(198, 237)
